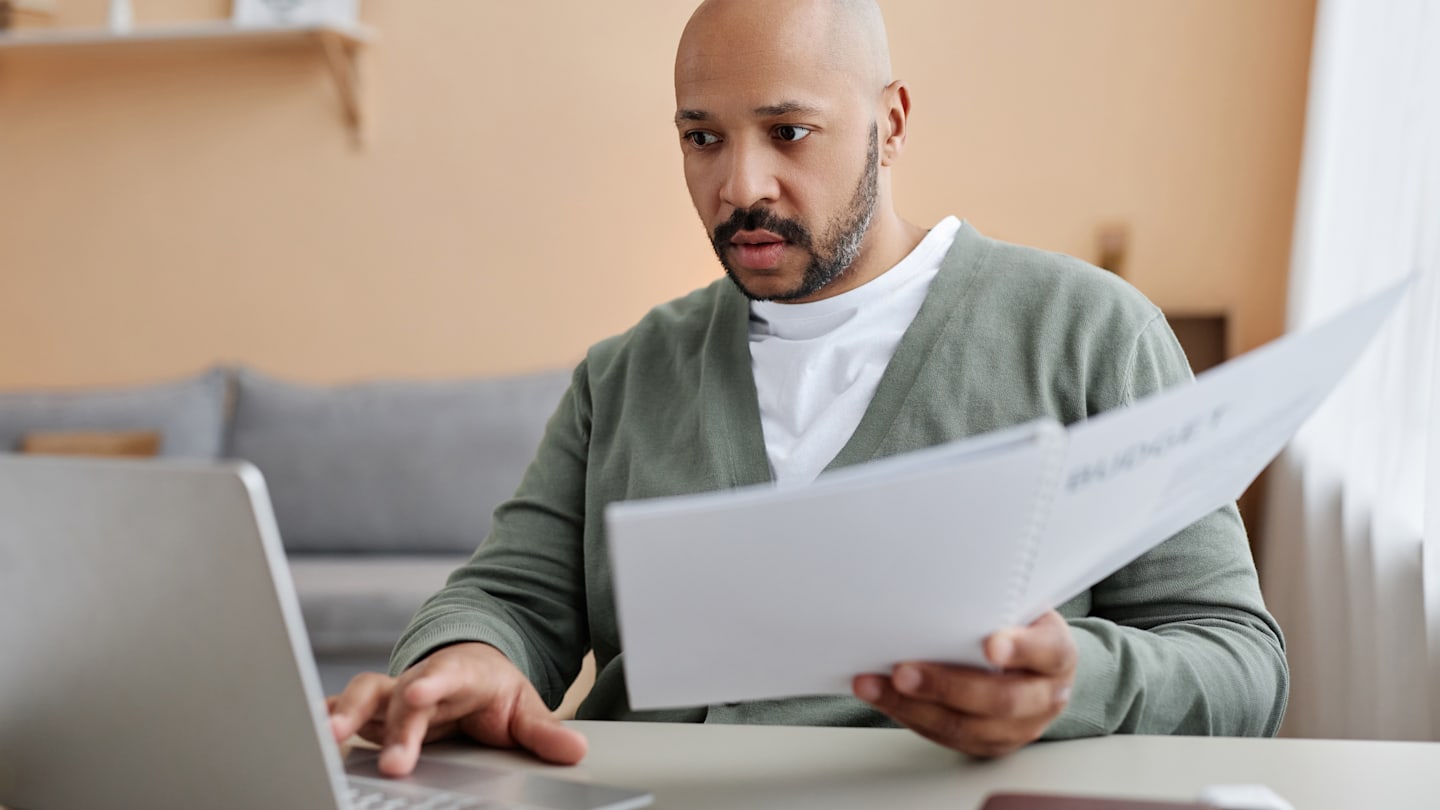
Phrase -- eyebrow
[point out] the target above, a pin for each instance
(785, 108)
(767, 111)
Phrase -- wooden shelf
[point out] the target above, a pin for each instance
(178, 32)
(340, 43)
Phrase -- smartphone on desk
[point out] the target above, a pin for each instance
(1052, 801)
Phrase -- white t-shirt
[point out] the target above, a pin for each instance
(817, 364)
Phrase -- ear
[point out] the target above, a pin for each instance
(895, 121)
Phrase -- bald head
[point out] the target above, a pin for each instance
(789, 122)
(844, 37)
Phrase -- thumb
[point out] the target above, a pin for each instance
(533, 727)
(1045, 647)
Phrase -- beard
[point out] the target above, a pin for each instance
(832, 255)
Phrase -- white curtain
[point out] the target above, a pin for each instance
(1351, 555)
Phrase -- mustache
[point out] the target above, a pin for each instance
(760, 219)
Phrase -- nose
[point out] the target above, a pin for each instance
(750, 177)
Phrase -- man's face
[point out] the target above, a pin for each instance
(781, 159)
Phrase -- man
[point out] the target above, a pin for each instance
(843, 333)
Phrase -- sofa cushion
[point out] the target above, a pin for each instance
(355, 605)
(188, 414)
(390, 466)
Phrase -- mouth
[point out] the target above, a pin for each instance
(757, 237)
(757, 250)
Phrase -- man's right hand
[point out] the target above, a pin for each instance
(467, 689)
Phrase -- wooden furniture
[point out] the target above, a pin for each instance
(341, 45)
(131, 443)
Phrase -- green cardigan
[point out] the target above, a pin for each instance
(1179, 641)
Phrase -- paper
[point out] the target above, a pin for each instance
(767, 592)
(1135, 476)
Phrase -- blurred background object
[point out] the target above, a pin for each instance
(1112, 242)
(121, 17)
(295, 12)
(11, 10)
(1351, 562)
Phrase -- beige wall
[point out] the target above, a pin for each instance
(519, 196)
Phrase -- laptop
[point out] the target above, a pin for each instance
(152, 655)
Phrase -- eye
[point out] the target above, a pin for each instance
(792, 133)
(700, 139)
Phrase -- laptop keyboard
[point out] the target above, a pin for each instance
(369, 794)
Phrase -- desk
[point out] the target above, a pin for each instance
(755, 767)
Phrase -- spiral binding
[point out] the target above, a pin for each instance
(1053, 440)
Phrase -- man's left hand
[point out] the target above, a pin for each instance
(979, 712)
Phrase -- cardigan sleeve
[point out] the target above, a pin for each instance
(523, 591)
(1178, 641)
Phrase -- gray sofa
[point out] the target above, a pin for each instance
(380, 489)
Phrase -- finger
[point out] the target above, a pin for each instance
(869, 687)
(443, 680)
(374, 731)
(363, 700)
(425, 705)
(1046, 646)
(406, 723)
(976, 692)
(401, 748)
(534, 728)
(448, 695)
(968, 734)
(474, 703)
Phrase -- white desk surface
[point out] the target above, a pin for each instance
(757, 767)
